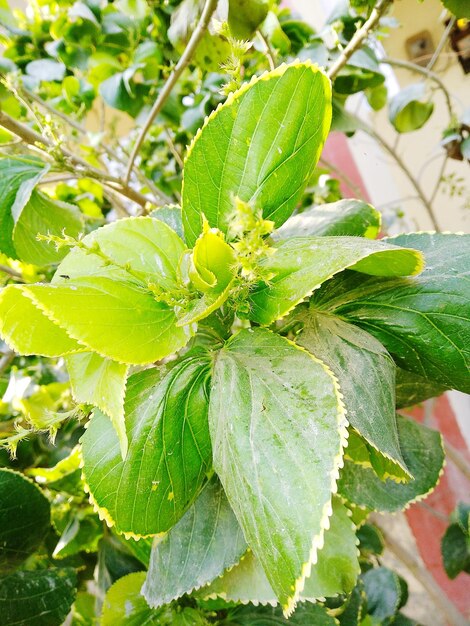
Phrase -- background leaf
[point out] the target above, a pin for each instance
(24, 519)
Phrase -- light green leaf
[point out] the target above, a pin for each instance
(424, 456)
(345, 217)
(206, 541)
(301, 265)
(366, 376)
(41, 597)
(305, 615)
(135, 328)
(422, 321)
(19, 177)
(28, 330)
(459, 8)
(45, 216)
(125, 606)
(79, 531)
(148, 246)
(46, 70)
(410, 109)
(257, 149)
(277, 455)
(102, 382)
(412, 389)
(24, 519)
(169, 450)
(334, 572)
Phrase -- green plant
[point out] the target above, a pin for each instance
(233, 452)
(215, 378)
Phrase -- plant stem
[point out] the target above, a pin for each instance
(270, 55)
(359, 37)
(419, 69)
(11, 272)
(33, 138)
(344, 177)
(457, 459)
(441, 43)
(438, 180)
(6, 359)
(185, 59)
(448, 610)
(401, 164)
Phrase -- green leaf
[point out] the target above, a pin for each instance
(19, 177)
(255, 149)
(206, 541)
(409, 110)
(334, 572)
(459, 8)
(45, 216)
(455, 549)
(24, 519)
(169, 450)
(424, 456)
(125, 606)
(42, 597)
(345, 217)
(355, 608)
(371, 540)
(136, 328)
(422, 321)
(244, 16)
(366, 376)
(301, 265)
(79, 532)
(28, 330)
(121, 92)
(305, 615)
(377, 97)
(383, 591)
(102, 382)
(63, 476)
(46, 70)
(277, 455)
(412, 389)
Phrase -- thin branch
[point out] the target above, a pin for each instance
(6, 359)
(424, 71)
(457, 459)
(441, 43)
(401, 164)
(173, 149)
(185, 59)
(270, 54)
(439, 180)
(359, 37)
(445, 606)
(33, 138)
(11, 272)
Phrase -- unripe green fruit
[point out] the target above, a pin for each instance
(244, 16)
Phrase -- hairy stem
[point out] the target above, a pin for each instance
(359, 37)
(185, 59)
(448, 610)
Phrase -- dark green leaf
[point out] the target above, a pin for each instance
(383, 591)
(459, 8)
(169, 450)
(424, 456)
(455, 551)
(42, 597)
(345, 217)
(371, 540)
(422, 321)
(366, 376)
(412, 388)
(277, 454)
(206, 541)
(24, 519)
(254, 149)
(305, 615)
(244, 16)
